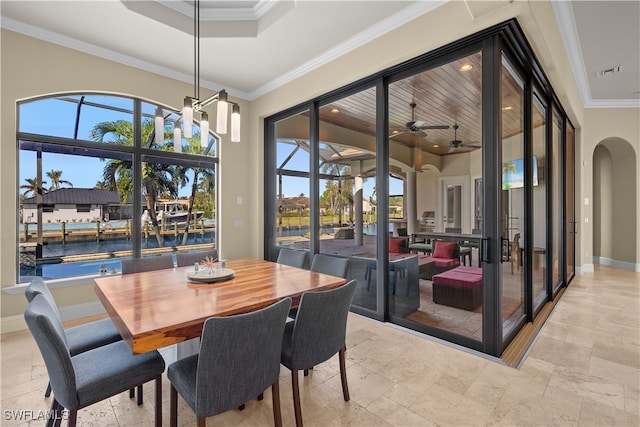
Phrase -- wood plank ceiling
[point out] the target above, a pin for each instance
(443, 95)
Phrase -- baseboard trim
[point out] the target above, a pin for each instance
(585, 268)
(622, 265)
(71, 312)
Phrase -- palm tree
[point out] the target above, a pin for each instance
(508, 168)
(157, 178)
(343, 191)
(102, 185)
(32, 187)
(203, 179)
(56, 180)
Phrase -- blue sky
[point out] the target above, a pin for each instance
(57, 118)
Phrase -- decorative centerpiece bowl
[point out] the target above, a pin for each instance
(207, 272)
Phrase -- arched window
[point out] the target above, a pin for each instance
(102, 177)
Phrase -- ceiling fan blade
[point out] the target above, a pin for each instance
(420, 134)
(434, 127)
(452, 149)
(397, 133)
(473, 145)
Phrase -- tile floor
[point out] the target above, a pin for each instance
(583, 370)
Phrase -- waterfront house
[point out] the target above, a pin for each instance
(76, 205)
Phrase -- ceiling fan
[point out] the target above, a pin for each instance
(456, 143)
(417, 127)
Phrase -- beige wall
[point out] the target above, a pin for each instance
(616, 134)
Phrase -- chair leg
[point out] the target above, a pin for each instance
(173, 408)
(275, 396)
(343, 374)
(53, 418)
(132, 393)
(158, 415)
(296, 398)
(261, 396)
(59, 414)
(202, 422)
(73, 418)
(47, 392)
(140, 394)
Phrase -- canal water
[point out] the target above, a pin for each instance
(57, 270)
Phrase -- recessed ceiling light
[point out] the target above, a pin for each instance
(466, 67)
(395, 132)
(435, 146)
(335, 110)
(507, 108)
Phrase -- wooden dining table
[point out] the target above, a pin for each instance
(159, 308)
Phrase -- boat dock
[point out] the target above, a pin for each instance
(98, 232)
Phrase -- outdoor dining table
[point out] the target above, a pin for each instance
(159, 308)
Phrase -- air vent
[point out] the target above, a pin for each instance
(609, 71)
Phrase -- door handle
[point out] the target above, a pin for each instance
(505, 249)
(484, 250)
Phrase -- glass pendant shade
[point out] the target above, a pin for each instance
(159, 126)
(204, 130)
(177, 137)
(235, 124)
(187, 117)
(223, 112)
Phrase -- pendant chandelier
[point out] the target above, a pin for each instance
(193, 104)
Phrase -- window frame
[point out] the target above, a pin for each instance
(137, 152)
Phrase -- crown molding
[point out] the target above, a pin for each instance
(613, 103)
(91, 49)
(383, 27)
(214, 13)
(569, 34)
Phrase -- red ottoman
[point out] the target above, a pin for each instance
(460, 287)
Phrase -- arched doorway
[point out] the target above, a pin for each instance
(614, 204)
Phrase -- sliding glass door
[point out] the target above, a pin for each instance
(539, 201)
(512, 197)
(446, 180)
(436, 197)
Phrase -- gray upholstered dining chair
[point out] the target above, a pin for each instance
(331, 265)
(92, 376)
(239, 358)
(326, 264)
(184, 259)
(79, 338)
(139, 265)
(317, 333)
(293, 257)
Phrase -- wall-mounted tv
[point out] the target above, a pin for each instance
(513, 173)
